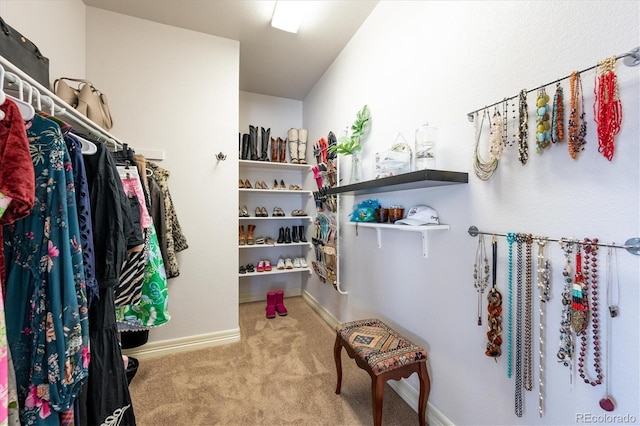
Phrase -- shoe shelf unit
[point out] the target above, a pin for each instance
(255, 285)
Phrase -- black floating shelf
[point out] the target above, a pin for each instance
(412, 180)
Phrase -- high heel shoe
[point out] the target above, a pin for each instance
(240, 183)
(282, 185)
(275, 184)
(247, 184)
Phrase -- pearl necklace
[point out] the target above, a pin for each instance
(483, 169)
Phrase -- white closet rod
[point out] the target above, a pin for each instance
(78, 121)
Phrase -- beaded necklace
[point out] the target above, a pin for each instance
(607, 108)
(565, 352)
(577, 123)
(543, 126)
(523, 128)
(518, 393)
(544, 288)
(494, 307)
(528, 317)
(511, 237)
(480, 274)
(496, 137)
(579, 304)
(483, 169)
(607, 403)
(591, 282)
(557, 120)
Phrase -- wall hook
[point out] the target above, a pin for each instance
(221, 157)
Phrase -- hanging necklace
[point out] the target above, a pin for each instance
(505, 123)
(518, 394)
(557, 120)
(607, 108)
(544, 289)
(494, 306)
(607, 403)
(577, 123)
(523, 128)
(483, 169)
(528, 318)
(579, 305)
(511, 237)
(480, 274)
(543, 125)
(496, 137)
(565, 352)
(591, 282)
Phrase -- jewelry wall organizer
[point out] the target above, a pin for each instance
(550, 117)
(580, 342)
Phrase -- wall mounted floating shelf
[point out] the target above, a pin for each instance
(412, 180)
(424, 230)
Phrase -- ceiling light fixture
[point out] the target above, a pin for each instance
(287, 15)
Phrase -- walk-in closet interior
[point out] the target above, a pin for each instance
(520, 279)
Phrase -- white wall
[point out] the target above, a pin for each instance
(436, 61)
(38, 20)
(177, 91)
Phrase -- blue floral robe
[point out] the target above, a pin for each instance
(46, 306)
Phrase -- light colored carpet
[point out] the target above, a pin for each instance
(282, 372)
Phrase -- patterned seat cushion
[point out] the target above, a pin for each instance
(379, 345)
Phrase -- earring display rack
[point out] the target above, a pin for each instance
(630, 59)
(632, 245)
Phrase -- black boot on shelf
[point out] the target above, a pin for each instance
(294, 236)
(281, 236)
(245, 147)
(303, 238)
(287, 235)
(253, 137)
(264, 146)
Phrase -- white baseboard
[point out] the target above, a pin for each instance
(167, 347)
(258, 297)
(407, 392)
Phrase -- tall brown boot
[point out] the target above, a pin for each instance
(283, 150)
(242, 239)
(250, 240)
(275, 147)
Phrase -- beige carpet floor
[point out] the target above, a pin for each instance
(282, 372)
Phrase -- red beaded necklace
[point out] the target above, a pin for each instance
(607, 108)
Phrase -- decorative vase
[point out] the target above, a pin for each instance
(356, 168)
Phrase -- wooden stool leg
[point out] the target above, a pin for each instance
(377, 392)
(425, 389)
(337, 355)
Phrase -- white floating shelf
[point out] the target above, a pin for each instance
(422, 229)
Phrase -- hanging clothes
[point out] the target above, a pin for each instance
(46, 310)
(107, 393)
(175, 239)
(17, 178)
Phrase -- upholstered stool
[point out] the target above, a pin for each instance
(384, 354)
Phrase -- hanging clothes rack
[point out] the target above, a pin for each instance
(631, 59)
(632, 245)
(15, 77)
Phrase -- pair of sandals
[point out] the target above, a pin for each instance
(261, 212)
(247, 269)
(298, 213)
(278, 212)
(247, 184)
(267, 240)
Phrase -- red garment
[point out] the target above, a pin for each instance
(17, 177)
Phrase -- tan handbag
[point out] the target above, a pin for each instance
(88, 100)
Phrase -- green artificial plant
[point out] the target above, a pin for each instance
(348, 145)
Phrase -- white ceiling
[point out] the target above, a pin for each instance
(272, 62)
